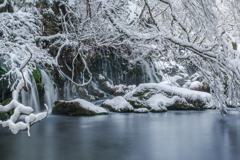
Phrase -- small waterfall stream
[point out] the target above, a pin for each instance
(66, 90)
(31, 98)
(50, 92)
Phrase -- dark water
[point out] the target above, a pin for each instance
(175, 135)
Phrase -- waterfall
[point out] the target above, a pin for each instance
(150, 71)
(66, 90)
(50, 92)
(30, 97)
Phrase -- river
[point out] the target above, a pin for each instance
(174, 135)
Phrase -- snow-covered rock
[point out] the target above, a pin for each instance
(77, 107)
(141, 110)
(116, 90)
(122, 89)
(196, 85)
(118, 104)
(108, 87)
(163, 96)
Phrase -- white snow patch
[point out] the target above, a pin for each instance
(141, 110)
(88, 105)
(118, 103)
(160, 102)
(101, 77)
(195, 84)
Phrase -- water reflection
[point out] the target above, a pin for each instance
(168, 136)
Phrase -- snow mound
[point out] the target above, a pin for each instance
(118, 104)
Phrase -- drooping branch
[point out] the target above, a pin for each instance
(20, 109)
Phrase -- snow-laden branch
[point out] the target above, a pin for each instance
(3, 4)
(20, 109)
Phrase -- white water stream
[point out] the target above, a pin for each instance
(50, 92)
(31, 98)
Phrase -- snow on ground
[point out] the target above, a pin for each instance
(118, 104)
(88, 105)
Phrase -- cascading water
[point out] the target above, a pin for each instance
(30, 97)
(50, 92)
(66, 90)
(150, 72)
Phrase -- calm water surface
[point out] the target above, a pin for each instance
(175, 135)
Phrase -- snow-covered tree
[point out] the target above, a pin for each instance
(202, 32)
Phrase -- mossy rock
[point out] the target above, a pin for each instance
(107, 89)
(198, 104)
(122, 110)
(37, 75)
(40, 86)
(100, 94)
(135, 104)
(119, 93)
(73, 109)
